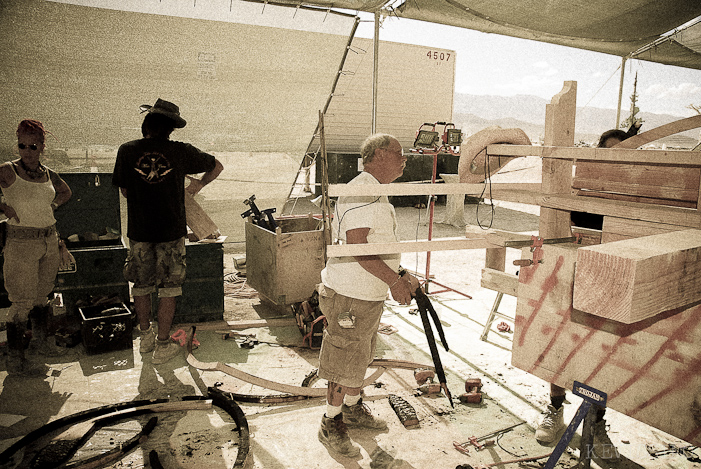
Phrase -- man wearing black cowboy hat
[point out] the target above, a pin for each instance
(151, 175)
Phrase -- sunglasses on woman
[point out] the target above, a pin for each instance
(32, 147)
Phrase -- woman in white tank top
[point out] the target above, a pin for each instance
(31, 193)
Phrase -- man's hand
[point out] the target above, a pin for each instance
(195, 185)
(403, 290)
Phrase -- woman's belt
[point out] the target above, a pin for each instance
(27, 232)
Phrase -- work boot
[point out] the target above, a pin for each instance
(17, 364)
(603, 447)
(148, 339)
(359, 415)
(334, 435)
(41, 342)
(164, 351)
(553, 423)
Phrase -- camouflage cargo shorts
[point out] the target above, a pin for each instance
(156, 267)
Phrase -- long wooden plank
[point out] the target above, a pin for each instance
(638, 198)
(197, 219)
(631, 280)
(616, 229)
(634, 210)
(682, 125)
(374, 249)
(677, 157)
(336, 190)
(640, 174)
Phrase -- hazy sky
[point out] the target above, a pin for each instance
(490, 64)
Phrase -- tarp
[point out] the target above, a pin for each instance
(652, 30)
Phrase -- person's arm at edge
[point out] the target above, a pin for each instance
(196, 185)
(63, 192)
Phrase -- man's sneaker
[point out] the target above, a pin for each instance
(334, 435)
(603, 447)
(148, 339)
(552, 424)
(359, 415)
(164, 351)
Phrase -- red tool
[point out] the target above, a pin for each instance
(475, 441)
(473, 394)
(181, 337)
(421, 375)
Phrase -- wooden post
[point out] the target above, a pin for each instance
(557, 174)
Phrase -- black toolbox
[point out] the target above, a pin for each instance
(91, 225)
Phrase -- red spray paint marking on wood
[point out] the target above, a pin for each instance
(548, 286)
(681, 331)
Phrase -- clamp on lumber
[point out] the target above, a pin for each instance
(536, 244)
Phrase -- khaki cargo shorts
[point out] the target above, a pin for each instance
(156, 267)
(349, 340)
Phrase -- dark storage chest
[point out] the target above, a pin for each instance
(106, 328)
(93, 216)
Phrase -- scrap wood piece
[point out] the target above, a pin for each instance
(281, 387)
(635, 279)
(199, 222)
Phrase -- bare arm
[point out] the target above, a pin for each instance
(400, 289)
(7, 177)
(63, 192)
(196, 185)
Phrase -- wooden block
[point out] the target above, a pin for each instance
(198, 221)
(500, 281)
(648, 369)
(631, 280)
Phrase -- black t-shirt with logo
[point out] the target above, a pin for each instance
(153, 172)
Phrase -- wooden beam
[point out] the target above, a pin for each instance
(633, 210)
(500, 281)
(635, 279)
(495, 237)
(198, 221)
(448, 244)
(557, 174)
(675, 157)
(681, 125)
(336, 190)
(617, 229)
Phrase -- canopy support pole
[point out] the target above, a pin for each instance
(620, 92)
(375, 68)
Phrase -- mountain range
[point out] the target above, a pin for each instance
(472, 113)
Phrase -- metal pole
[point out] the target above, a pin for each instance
(375, 68)
(620, 92)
